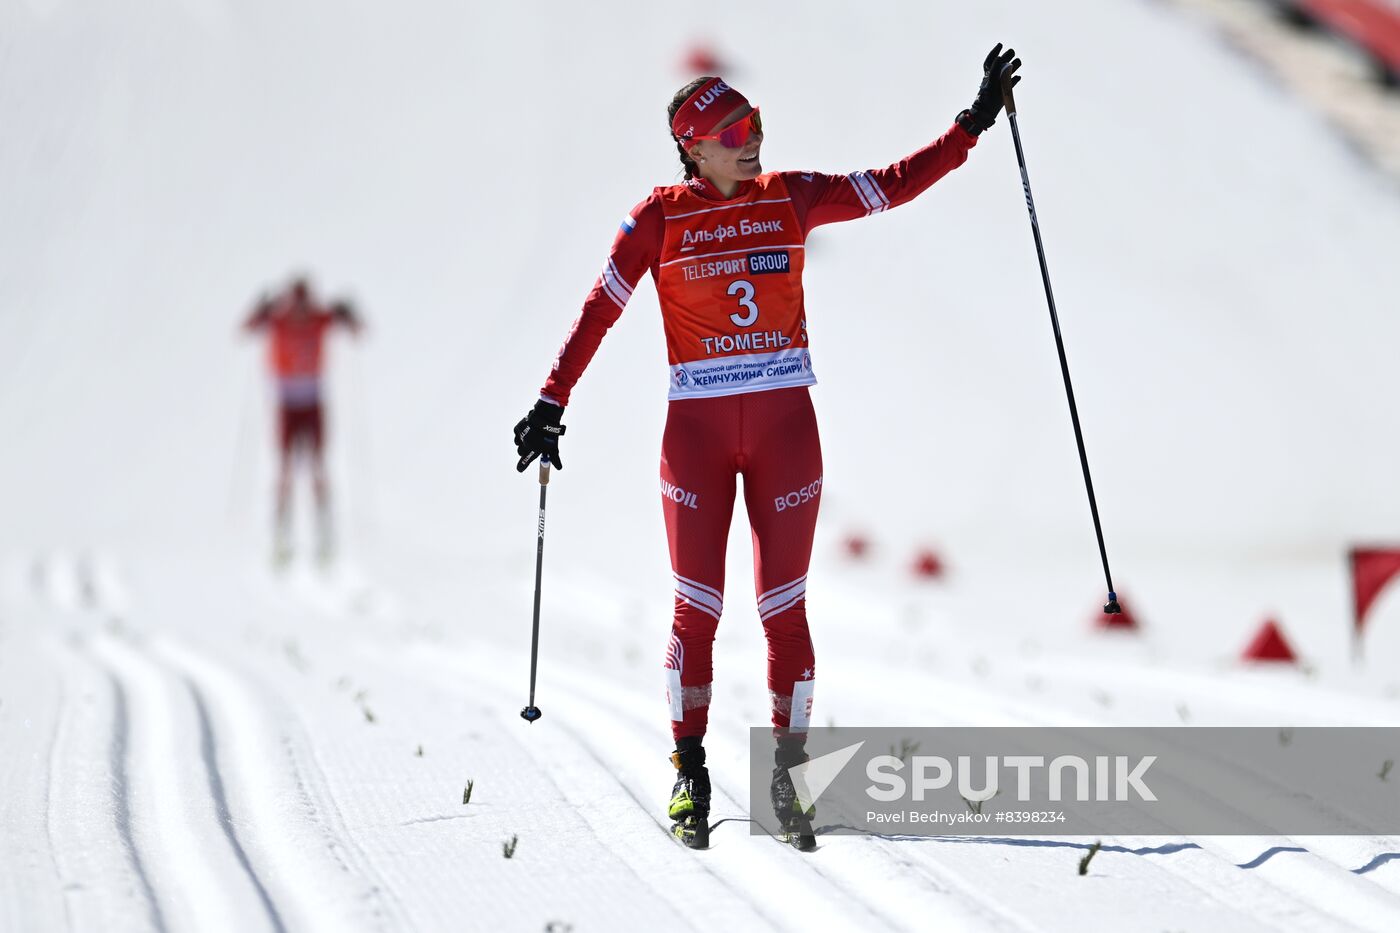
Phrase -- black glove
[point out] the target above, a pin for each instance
(997, 73)
(538, 434)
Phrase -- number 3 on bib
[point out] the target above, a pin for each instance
(745, 292)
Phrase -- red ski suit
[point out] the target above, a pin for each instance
(297, 332)
(728, 275)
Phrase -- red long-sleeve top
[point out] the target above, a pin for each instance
(816, 199)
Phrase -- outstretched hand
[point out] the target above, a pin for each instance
(1003, 69)
(1001, 65)
(998, 78)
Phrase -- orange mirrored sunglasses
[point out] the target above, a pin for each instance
(737, 133)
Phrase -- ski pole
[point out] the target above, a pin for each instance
(1111, 606)
(532, 712)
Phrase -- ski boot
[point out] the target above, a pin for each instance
(690, 798)
(794, 823)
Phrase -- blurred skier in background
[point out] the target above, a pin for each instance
(296, 326)
(726, 250)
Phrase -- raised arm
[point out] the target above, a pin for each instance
(345, 315)
(825, 199)
(260, 316)
(828, 199)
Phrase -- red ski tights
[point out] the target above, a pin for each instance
(769, 438)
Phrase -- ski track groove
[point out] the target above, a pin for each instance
(121, 794)
(985, 912)
(1279, 876)
(65, 705)
(632, 870)
(323, 603)
(310, 774)
(187, 668)
(294, 596)
(311, 770)
(645, 807)
(99, 876)
(391, 676)
(850, 895)
(210, 754)
(577, 737)
(307, 779)
(184, 814)
(1215, 884)
(340, 842)
(626, 857)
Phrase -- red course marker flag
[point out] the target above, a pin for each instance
(1269, 645)
(1371, 569)
(856, 545)
(927, 564)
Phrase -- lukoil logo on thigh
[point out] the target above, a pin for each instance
(679, 495)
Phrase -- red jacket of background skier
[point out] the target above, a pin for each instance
(296, 325)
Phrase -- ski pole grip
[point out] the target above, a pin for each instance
(544, 471)
(1009, 99)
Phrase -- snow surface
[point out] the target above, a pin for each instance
(188, 741)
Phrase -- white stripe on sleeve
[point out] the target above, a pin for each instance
(873, 198)
(621, 283)
(620, 302)
(855, 185)
(875, 186)
(615, 285)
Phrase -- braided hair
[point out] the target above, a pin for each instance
(691, 169)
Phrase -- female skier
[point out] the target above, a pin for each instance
(725, 249)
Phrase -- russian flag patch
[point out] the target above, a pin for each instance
(628, 225)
